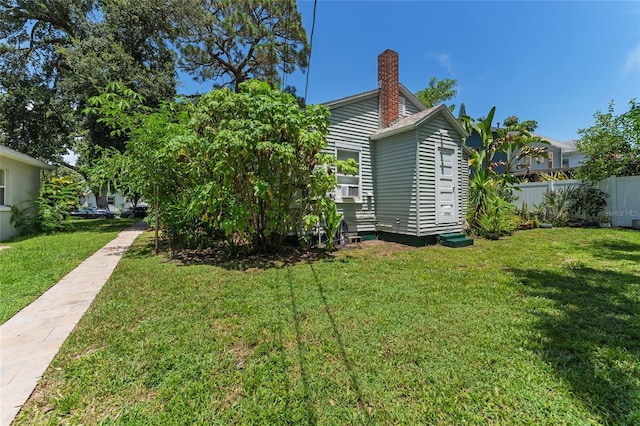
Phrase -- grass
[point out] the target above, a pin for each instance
(539, 328)
(33, 264)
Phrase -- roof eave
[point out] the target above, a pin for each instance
(442, 107)
(12, 154)
(350, 99)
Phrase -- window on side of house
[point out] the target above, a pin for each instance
(565, 162)
(527, 161)
(111, 200)
(348, 186)
(2, 186)
(550, 160)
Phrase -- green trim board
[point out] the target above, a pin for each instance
(410, 240)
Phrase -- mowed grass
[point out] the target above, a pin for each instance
(539, 328)
(33, 264)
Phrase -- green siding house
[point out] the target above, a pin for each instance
(413, 165)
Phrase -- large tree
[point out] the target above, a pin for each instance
(611, 144)
(438, 92)
(35, 116)
(231, 41)
(58, 54)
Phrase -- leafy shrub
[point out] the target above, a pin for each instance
(48, 209)
(555, 206)
(499, 218)
(588, 200)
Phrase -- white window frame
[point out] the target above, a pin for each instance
(527, 161)
(349, 180)
(550, 160)
(3, 187)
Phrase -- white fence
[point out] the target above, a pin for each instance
(623, 203)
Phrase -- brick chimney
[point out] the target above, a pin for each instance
(388, 82)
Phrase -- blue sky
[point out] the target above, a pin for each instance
(554, 62)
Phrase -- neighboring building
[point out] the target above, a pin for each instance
(563, 157)
(413, 166)
(571, 157)
(116, 201)
(19, 180)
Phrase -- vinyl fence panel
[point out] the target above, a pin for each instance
(623, 203)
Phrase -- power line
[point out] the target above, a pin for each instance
(313, 27)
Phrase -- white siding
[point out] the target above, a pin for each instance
(410, 108)
(435, 132)
(352, 123)
(395, 183)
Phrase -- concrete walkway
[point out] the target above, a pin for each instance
(30, 340)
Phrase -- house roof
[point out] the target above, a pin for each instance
(371, 93)
(567, 146)
(6, 152)
(414, 121)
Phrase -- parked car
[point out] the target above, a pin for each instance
(140, 211)
(106, 213)
(137, 211)
(93, 213)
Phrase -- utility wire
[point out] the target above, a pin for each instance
(313, 27)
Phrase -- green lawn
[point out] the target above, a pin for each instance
(539, 328)
(34, 263)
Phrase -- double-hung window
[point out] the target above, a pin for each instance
(550, 160)
(348, 185)
(2, 187)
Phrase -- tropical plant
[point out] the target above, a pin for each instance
(499, 218)
(481, 189)
(556, 206)
(524, 212)
(332, 220)
(514, 143)
(48, 209)
(588, 200)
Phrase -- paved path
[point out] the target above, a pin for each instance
(30, 340)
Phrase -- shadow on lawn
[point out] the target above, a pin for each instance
(311, 414)
(219, 256)
(594, 342)
(355, 385)
(614, 250)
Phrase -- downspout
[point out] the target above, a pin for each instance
(418, 209)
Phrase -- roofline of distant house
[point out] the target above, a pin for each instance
(12, 154)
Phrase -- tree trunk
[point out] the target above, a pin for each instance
(101, 198)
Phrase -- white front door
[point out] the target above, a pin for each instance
(446, 185)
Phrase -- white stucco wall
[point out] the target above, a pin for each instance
(22, 177)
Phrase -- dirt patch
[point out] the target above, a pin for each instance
(241, 353)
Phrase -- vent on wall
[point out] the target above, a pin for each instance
(350, 191)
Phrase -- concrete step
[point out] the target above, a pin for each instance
(354, 239)
(450, 236)
(457, 242)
